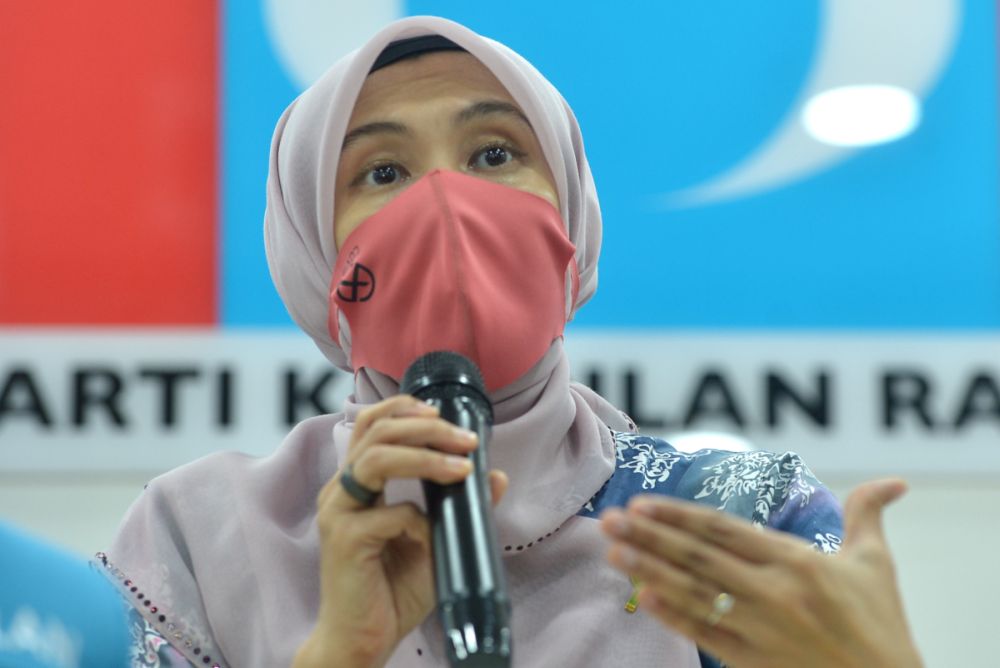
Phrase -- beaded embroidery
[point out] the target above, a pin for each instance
(173, 635)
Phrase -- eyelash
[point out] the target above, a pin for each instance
(515, 153)
(362, 177)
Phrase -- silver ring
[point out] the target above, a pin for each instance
(358, 492)
(722, 604)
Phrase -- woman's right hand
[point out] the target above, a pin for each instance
(376, 573)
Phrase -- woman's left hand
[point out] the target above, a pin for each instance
(762, 598)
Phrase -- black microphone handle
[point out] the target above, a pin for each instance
(473, 604)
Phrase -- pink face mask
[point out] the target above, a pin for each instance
(456, 263)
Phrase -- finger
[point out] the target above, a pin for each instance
(378, 464)
(863, 510)
(419, 432)
(498, 485)
(674, 586)
(728, 646)
(395, 433)
(687, 551)
(399, 405)
(718, 528)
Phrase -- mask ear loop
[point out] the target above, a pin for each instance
(344, 338)
(572, 283)
(339, 328)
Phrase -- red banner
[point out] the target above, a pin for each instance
(108, 162)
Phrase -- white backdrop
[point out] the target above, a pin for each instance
(864, 404)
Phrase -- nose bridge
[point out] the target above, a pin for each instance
(440, 141)
(440, 154)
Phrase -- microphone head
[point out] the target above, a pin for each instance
(442, 368)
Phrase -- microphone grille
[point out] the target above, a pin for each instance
(442, 366)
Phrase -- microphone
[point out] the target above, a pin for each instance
(472, 601)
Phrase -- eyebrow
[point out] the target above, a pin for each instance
(374, 128)
(489, 108)
(473, 112)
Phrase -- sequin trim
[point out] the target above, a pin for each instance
(174, 636)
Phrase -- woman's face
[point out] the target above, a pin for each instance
(442, 110)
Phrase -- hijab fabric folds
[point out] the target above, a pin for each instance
(226, 548)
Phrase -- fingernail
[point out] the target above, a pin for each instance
(464, 435)
(457, 464)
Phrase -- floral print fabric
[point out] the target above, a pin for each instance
(771, 490)
(150, 649)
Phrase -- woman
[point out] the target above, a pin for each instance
(431, 192)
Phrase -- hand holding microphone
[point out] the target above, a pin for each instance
(377, 580)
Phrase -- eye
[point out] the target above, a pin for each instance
(493, 156)
(384, 175)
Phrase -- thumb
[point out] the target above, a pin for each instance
(498, 485)
(863, 510)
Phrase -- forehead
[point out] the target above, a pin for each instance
(433, 76)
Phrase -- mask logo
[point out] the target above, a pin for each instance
(360, 287)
